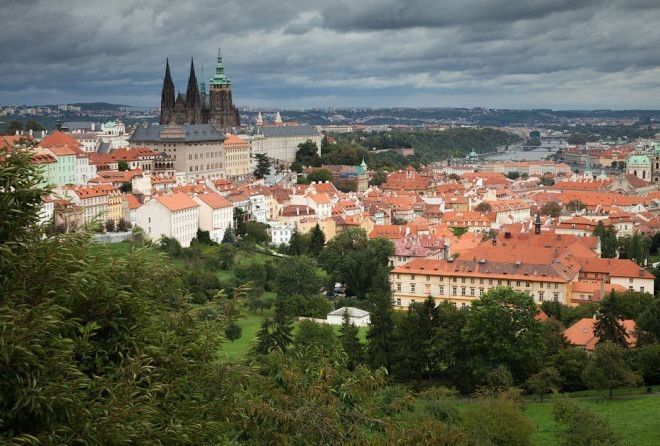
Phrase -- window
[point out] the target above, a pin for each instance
(517, 282)
(481, 281)
(630, 288)
(412, 287)
(454, 279)
(472, 280)
(398, 302)
(641, 289)
(462, 279)
(462, 291)
(441, 290)
(472, 292)
(541, 296)
(555, 296)
(527, 284)
(412, 277)
(630, 280)
(428, 277)
(453, 290)
(499, 282)
(490, 281)
(481, 291)
(398, 286)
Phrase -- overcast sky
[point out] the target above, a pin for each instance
(307, 53)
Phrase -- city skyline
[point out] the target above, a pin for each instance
(552, 54)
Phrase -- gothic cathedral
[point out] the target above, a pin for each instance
(196, 107)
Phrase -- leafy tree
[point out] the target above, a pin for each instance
(350, 342)
(20, 194)
(33, 125)
(380, 336)
(398, 221)
(320, 175)
(379, 178)
(233, 331)
(308, 306)
(310, 333)
(553, 336)
(171, 246)
(581, 426)
(575, 206)
(307, 154)
(296, 167)
(570, 363)
(484, 206)
(126, 187)
(498, 421)
(316, 241)
(275, 333)
(514, 175)
(607, 368)
(609, 244)
(648, 322)
(609, 325)
(635, 247)
(459, 232)
(297, 276)
(551, 208)
(546, 380)
(204, 237)
(358, 262)
(547, 181)
(263, 166)
(501, 329)
(122, 166)
(256, 232)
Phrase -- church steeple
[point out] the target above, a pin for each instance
(167, 95)
(537, 224)
(220, 78)
(193, 102)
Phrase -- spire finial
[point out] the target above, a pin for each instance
(220, 78)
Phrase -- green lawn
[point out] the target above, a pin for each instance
(635, 419)
(250, 324)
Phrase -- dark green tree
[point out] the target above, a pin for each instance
(609, 244)
(228, 236)
(122, 165)
(380, 336)
(350, 342)
(501, 329)
(316, 241)
(417, 329)
(256, 232)
(233, 331)
(484, 206)
(307, 154)
(607, 369)
(575, 206)
(240, 218)
(609, 325)
(297, 244)
(110, 225)
(297, 276)
(21, 193)
(263, 166)
(551, 208)
(320, 175)
(544, 381)
(649, 321)
(570, 363)
(358, 262)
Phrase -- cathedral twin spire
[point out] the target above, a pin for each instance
(193, 108)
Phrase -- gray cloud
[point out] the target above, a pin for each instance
(528, 53)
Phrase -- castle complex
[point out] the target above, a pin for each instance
(196, 107)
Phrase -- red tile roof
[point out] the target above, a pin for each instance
(176, 202)
(582, 333)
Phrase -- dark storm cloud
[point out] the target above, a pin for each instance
(528, 53)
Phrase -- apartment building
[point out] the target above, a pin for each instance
(172, 215)
(462, 281)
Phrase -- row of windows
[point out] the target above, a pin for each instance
(463, 291)
(490, 281)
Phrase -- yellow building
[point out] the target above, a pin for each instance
(462, 281)
(237, 158)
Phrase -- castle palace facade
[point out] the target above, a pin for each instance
(196, 107)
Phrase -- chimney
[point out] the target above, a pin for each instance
(297, 210)
(507, 235)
